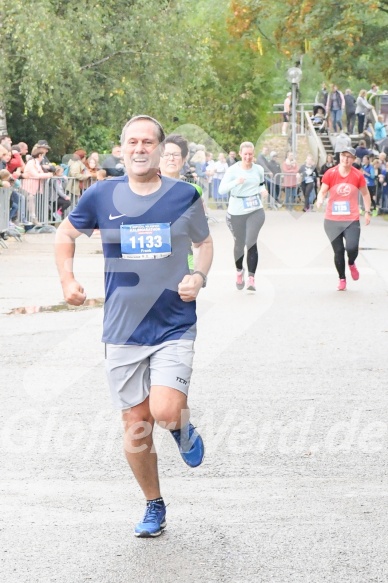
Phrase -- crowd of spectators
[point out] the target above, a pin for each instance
(373, 165)
(291, 183)
(339, 105)
(287, 181)
(28, 174)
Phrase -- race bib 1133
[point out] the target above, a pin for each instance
(148, 241)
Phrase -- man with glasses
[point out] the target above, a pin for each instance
(342, 218)
(147, 223)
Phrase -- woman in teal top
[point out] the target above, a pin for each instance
(380, 131)
(244, 182)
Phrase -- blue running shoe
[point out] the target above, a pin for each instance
(154, 521)
(190, 445)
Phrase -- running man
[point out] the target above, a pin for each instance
(342, 219)
(147, 225)
(245, 217)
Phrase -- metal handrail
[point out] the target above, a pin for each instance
(301, 109)
(299, 106)
(317, 148)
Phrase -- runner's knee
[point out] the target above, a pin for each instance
(170, 414)
(137, 420)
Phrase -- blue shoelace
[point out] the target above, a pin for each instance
(151, 513)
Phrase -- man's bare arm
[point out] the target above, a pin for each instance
(189, 287)
(73, 292)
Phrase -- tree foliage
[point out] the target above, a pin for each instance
(239, 92)
(345, 38)
(74, 72)
(74, 64)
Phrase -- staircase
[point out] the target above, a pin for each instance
(327, 144)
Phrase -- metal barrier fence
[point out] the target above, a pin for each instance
(50, 200)
(289, 193)
(5, 195)
(284, 188)
(277, 189)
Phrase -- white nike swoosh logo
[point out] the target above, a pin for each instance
(117, 217)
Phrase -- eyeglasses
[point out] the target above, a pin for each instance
(174, 155)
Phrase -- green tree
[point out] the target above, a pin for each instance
(76, 71)
(70, 66)
(233, 105)
(345, 38)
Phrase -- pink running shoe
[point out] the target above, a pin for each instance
(354, 272)
(251, 283)
(240, 281)
(342, 285)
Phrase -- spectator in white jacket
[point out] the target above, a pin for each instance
(362, 110)
(220, 167)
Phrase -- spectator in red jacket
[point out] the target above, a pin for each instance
(16, 165)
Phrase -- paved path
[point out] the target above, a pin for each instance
(289, 391)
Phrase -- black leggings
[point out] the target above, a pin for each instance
(307, 190)
(337, 231)
(372, 192)
(245, 230)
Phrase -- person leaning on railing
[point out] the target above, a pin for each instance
(290, 179)
(59, 200)
(8, 181)
(3, 154)
(78, 172)
(32, 180)
(92, 166)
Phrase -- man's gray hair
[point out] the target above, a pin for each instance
(160, 132)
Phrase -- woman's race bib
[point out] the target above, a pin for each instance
(251, 201)
(341, 207)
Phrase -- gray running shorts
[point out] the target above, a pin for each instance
(133, 369)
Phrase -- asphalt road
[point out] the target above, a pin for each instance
(289, 392)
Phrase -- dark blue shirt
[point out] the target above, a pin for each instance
(142, 304)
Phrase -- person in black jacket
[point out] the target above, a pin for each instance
(262, 160)
(350, 109)
(309, 179)
(330, 162)
(113, 164)
(276, 171)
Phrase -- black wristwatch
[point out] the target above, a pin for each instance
(203, 277)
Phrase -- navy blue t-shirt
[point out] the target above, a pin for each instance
(142, 304)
